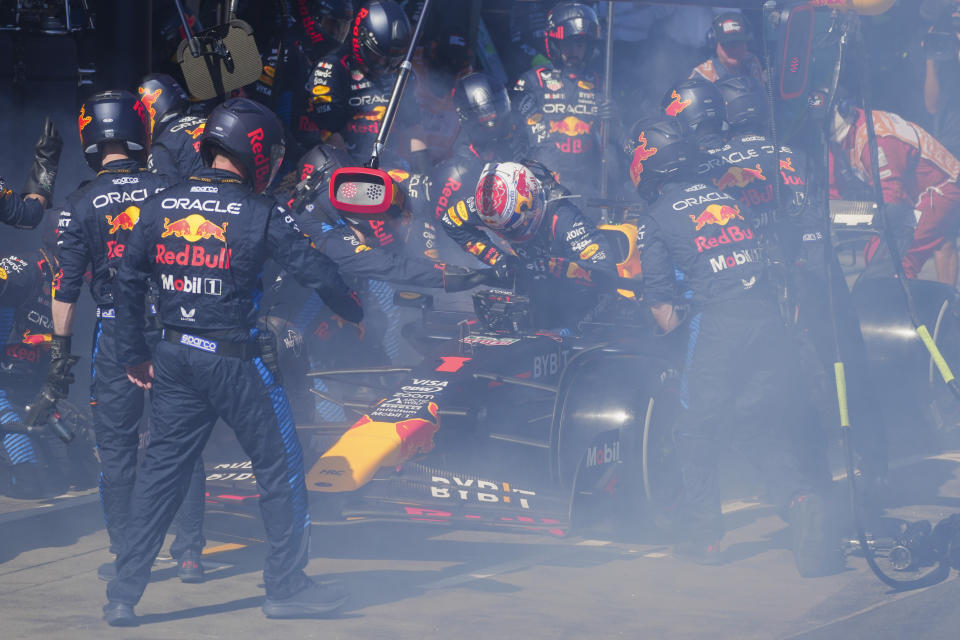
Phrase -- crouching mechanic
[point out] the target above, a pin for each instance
(94, 228)
(216, 231)
(739, 358)
(541, 242)
(27, 212)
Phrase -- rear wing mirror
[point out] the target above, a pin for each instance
(364, 193)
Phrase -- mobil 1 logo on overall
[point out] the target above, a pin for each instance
(191, 284)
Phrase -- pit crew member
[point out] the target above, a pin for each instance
(919, 180)
(95, 228)
(204, 242)
(562, 106)
(728, 38)
(27, 212)
(174, 133)
(349, 89)
(737, 368)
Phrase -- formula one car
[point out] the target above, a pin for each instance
(501, 423)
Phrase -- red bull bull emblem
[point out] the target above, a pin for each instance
(196, 133)
(126, 220)
(398, 174)
(149, 98)
(524, 197)
(193, 228)
(716, 214)
(676, 107)
(640, 155)
(84, 119)
(416, 434)
(739, 177)
(493, 195)
(570, 126)
(786, 164)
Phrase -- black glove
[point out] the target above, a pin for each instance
(46, 159)
(59, 377)
(343, 302)
(606, 109)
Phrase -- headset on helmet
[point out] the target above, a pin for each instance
(113, 116)
(324, 23)
(250, 134)
(483, 106)
(744, 102)
(727, 26)
(381, 35)
(510, 200)
(164, 99)
(567, 23)
(696, 106)
(656, 149)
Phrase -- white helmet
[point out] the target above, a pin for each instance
(510, 200)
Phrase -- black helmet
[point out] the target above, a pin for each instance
(696, 106)
(381, 35)
(483, 106)
(656, 149)
(324, 23)
(322, 157)
(745, 102)
(163, 97)
(568, 24)
(113, 116)
(250, 134)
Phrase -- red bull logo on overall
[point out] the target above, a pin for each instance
(193, 228)
(570, 126)
(739, 177)
(126, 220)
(640, 155)
(716, 214)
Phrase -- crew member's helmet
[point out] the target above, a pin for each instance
(744, 102)
(696, 106)
(656, 150)
(510, 200)
(483, 107)
(250, 134)
(322, 157)
(381, 35)
(324, 24)
(572, 35)
(113, 116)
(164, 99)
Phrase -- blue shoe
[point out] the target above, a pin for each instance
(190, 569)
(312, 600)
(119, 614)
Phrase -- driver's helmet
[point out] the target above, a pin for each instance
(510, 200)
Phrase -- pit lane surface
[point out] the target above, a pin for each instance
(418, 581)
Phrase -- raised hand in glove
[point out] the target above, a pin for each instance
(46, 159)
